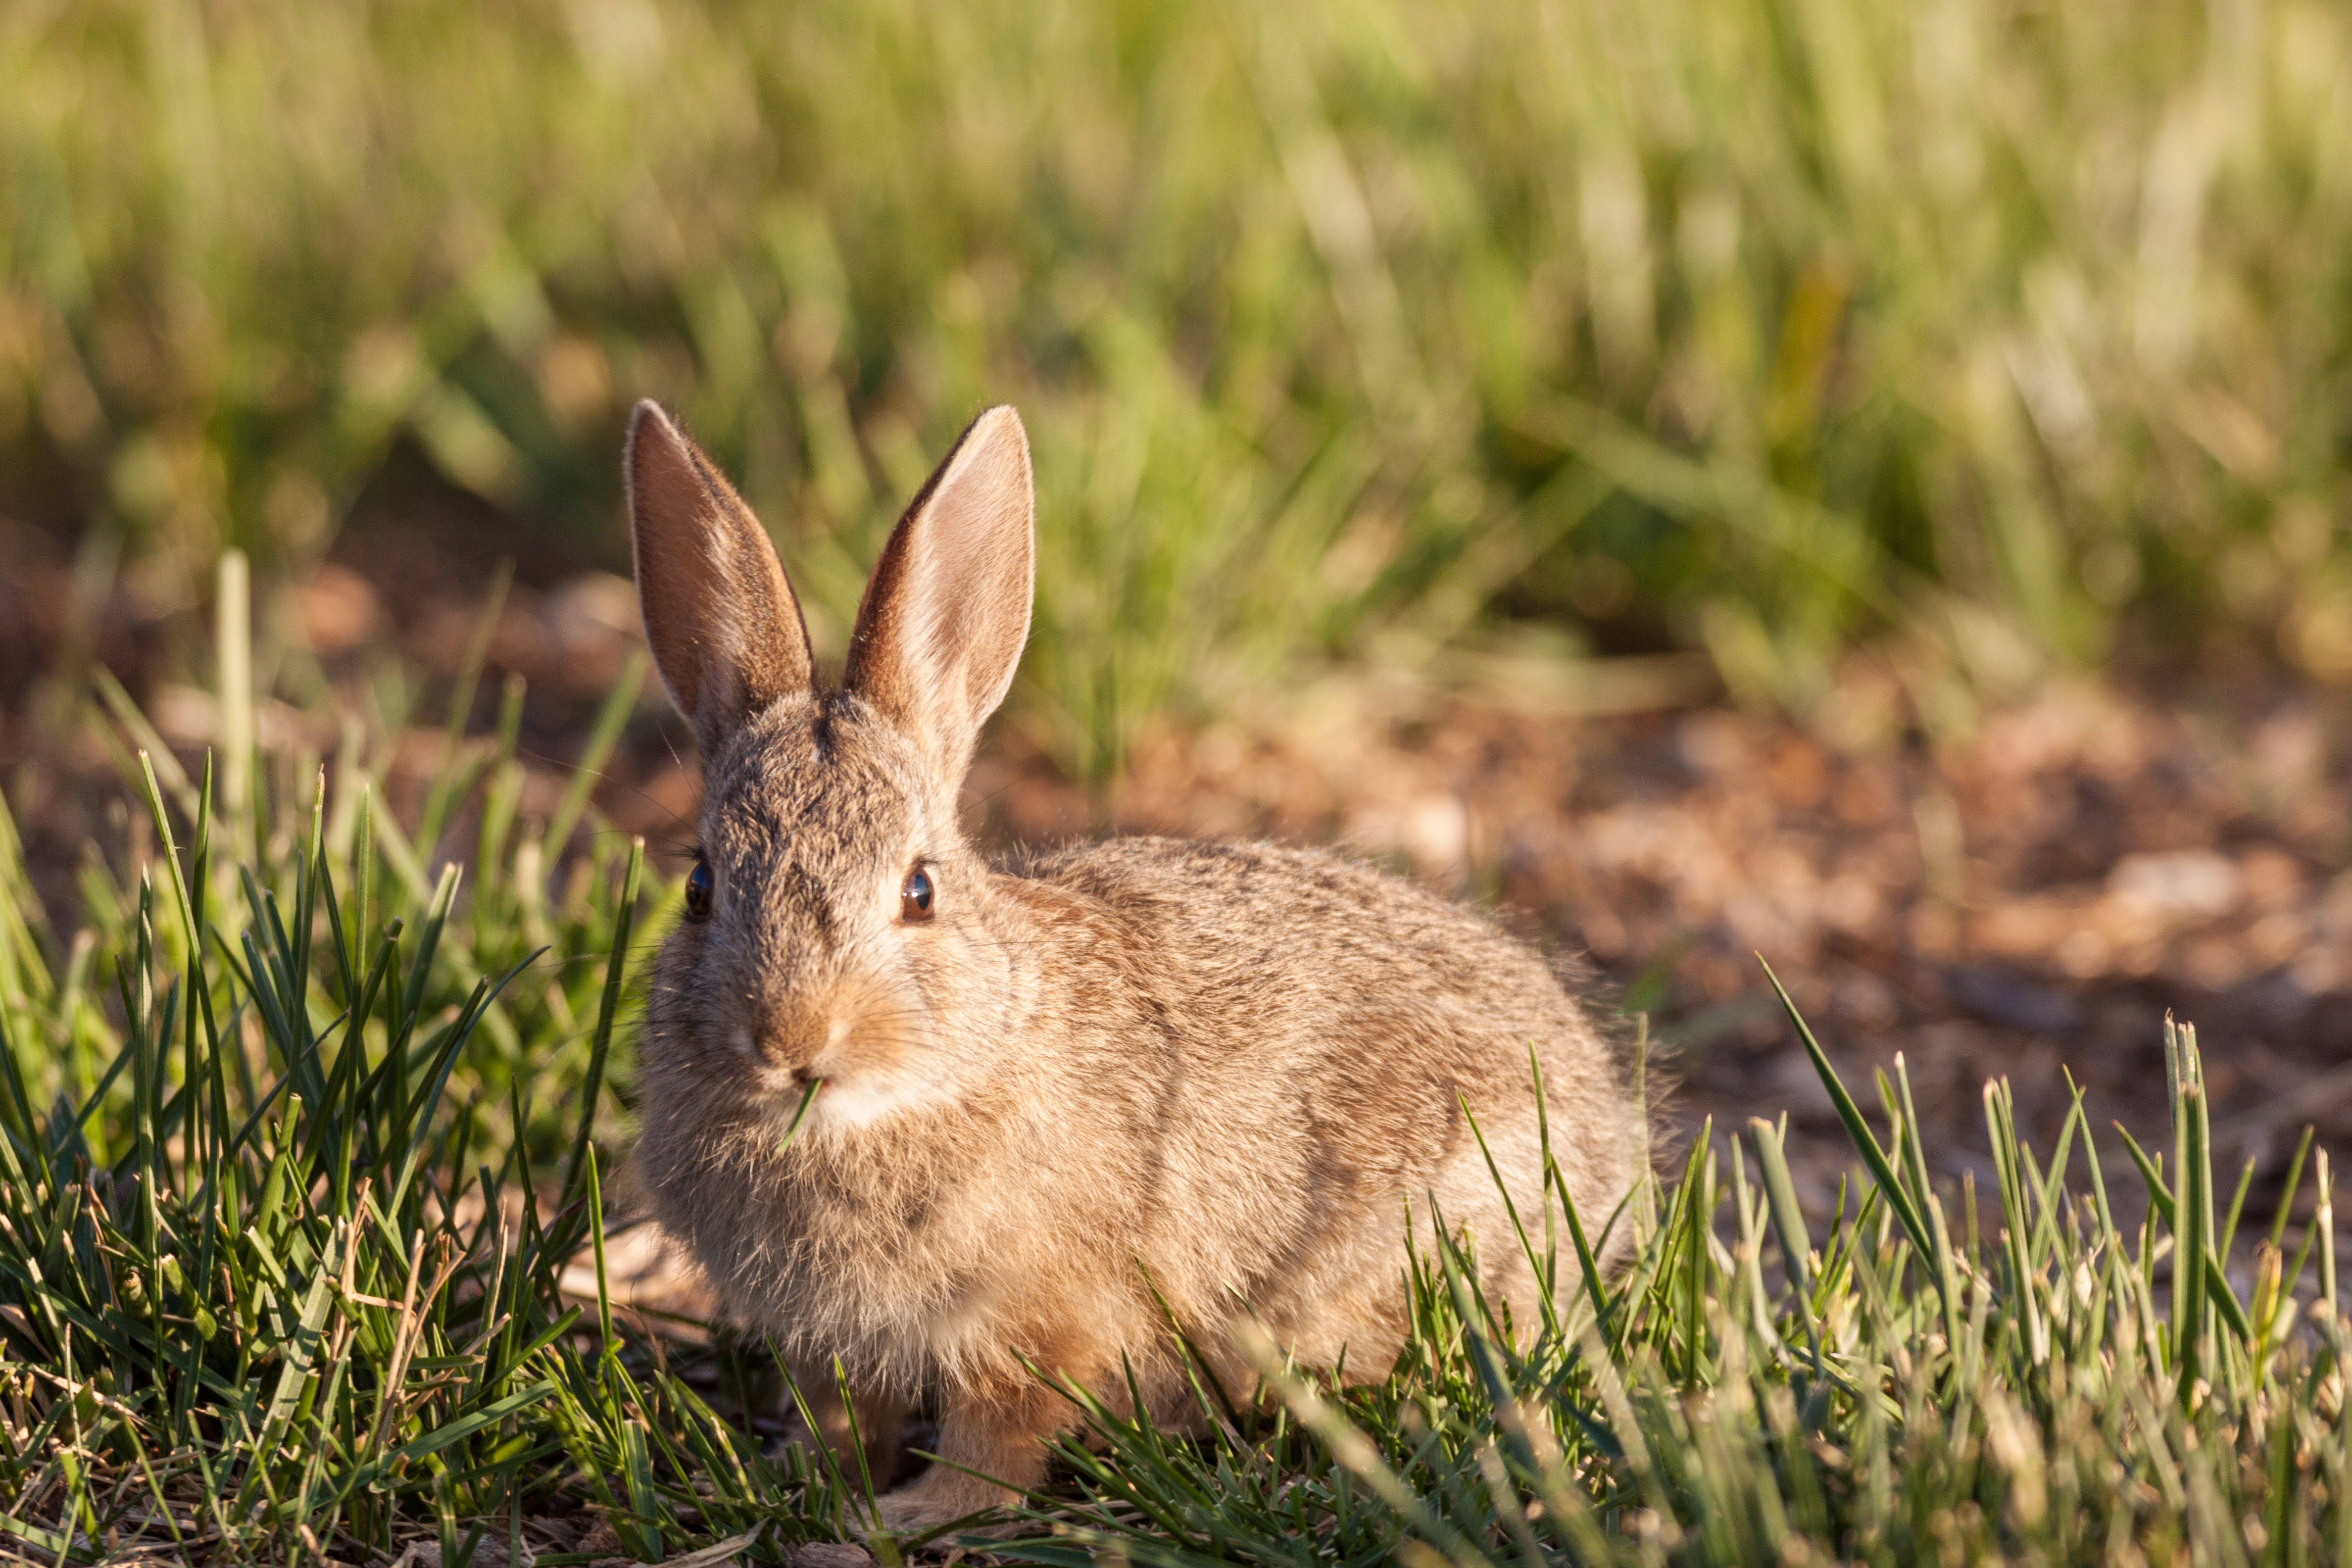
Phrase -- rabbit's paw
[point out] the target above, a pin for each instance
(912, 1509)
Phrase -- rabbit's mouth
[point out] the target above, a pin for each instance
(862, 1082)
(858, 1099)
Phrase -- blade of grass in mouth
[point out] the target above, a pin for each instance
(801, 1115)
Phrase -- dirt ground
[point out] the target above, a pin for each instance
(2027, 900)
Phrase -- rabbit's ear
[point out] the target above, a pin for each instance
(948, 610)
(725, 629)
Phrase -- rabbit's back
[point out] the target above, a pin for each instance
(1293, 1035)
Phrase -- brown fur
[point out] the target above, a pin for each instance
(1232, 1065)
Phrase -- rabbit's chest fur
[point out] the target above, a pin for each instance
(1234, 1064)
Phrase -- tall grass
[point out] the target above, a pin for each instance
(1758, 326)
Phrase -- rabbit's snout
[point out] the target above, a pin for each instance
(788, 1036)
(839, 1034)
(871, 1057)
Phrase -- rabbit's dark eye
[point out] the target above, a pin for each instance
(914, 898)
(699, 886)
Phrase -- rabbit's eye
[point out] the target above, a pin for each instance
(914, 898)
(699, 886)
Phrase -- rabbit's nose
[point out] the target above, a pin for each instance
(809, 1043)
(795, 1035)
(786, 1053)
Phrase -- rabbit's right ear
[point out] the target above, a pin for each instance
(946, 610)
(725, 629)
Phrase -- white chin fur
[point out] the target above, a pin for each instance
(857, 1099)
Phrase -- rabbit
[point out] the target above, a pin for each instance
(1062, 1100)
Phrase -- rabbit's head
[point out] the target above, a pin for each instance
(835, 919)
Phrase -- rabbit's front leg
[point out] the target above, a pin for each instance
(1001, 1433)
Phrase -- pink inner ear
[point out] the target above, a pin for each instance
(976, 583)
(946, 614)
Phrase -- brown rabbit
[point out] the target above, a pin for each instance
(1233, 1067)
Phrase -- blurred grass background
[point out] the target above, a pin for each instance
(2002, 333)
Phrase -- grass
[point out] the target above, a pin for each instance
(1347, 330)
(295, 1142)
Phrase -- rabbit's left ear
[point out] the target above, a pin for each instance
(947, 612)
(720, 617)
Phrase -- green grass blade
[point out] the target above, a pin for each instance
(1873, 1158)
(608, 1009)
